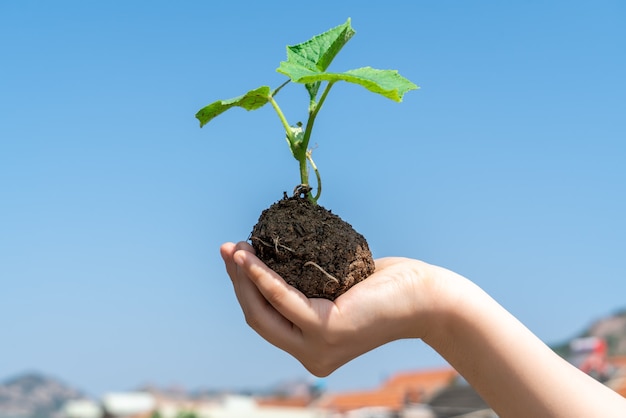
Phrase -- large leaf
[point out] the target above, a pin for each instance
(252, 100)
(388, 83)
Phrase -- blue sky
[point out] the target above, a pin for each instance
(507, 166)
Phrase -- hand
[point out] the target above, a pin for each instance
(395, 302)
(512, 369)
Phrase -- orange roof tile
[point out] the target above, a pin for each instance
(618, 361)
(288, 401)
(392, 399)
(426, 380)
(394, 393)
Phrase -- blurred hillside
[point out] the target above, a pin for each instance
(33, 395)
(611, 329)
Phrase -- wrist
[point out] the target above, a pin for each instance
(452, 297)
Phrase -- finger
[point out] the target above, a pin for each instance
(287, 300)
(243, 245)
(244, 289)
(226, 251)
(261, 316)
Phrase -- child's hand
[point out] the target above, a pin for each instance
(393, 303)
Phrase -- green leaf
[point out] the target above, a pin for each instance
(252, 100)
(388, 83)
(295, 140)
(318, 52)
(307, 63)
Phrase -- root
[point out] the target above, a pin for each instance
(276, 243)
(330, 276)
(302, 190)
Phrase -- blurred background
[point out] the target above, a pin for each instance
(507, 166)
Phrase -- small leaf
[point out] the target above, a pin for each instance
(252, 100)
(318, 52)
(296, 139)
(388, 83)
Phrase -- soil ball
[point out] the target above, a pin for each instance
(313, 249)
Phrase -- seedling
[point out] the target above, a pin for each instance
(311, 248)
(307, 64)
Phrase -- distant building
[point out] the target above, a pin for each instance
(127, 404)
(82, 408)
(236, 406)
(146, 405)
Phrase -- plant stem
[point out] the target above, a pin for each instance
(301, 155)
(305, 144)
(304, 177)
(275, 92)
(281, 116)
(313, 115)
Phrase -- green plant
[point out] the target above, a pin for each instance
(186, 414)
(307, 64)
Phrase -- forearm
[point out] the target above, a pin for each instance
(515, 372)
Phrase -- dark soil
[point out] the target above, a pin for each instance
(311, 248)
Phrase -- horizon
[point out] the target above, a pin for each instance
(506, 166)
